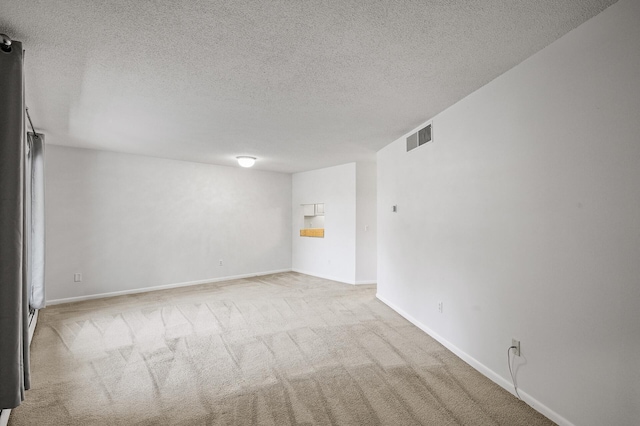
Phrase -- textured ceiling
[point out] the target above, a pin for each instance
(301, 85)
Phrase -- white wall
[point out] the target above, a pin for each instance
(314, 221)
(366, 223)
(334, 256)
(523, 217)
(128, 222)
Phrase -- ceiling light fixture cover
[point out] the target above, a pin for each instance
(245, 161)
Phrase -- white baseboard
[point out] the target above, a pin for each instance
(340, 280)
(160, 287)
(495, 377)
(326, 277)
(4, 416)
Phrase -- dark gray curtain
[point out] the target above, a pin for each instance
(14, 287)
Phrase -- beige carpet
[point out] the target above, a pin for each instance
(284, 349)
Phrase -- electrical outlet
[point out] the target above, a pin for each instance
(221, 262)
(516, 350)
(440, 306)
(77, 277)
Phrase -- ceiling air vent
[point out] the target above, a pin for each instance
(420, 138)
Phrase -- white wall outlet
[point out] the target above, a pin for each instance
(221, 262)
(516, 350)
(77, 277)
(440, 306)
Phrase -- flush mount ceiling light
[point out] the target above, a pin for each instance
(245, 161)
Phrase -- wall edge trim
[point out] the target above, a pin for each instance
(483, 369)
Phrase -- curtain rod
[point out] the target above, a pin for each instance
(5, 44)
(35, 134)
